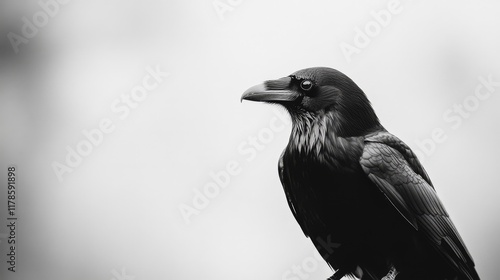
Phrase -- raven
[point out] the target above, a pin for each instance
(356, 190)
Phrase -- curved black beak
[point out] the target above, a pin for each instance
(274, 91)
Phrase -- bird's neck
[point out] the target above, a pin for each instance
(317, 138)
(311, 132)
(308, 133)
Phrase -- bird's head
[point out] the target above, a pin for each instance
(319, 91)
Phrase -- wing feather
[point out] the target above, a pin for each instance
(396, 171)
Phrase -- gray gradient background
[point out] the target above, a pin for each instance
(119, 210)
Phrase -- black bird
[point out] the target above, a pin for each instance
(358, 191)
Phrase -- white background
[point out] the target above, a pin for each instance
(118, 212)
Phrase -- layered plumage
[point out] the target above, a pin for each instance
(356, 190)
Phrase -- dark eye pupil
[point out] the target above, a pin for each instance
(306, 85)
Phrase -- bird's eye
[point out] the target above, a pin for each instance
(306, 85)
